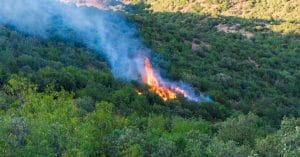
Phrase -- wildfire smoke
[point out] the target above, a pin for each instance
(105, 31)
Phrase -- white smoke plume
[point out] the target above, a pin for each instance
(106, 31)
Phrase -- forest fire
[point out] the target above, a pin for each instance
(139, 92)
(156, 86)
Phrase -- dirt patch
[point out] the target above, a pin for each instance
(100, 4)
(233, 29)
(252, 62)
(196, 44)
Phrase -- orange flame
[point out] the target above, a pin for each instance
(139, 92)
(155, 86)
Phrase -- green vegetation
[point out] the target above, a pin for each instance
(58, 98)
(285, 11)
(229, 58)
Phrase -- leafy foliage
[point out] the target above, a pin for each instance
(58, 98)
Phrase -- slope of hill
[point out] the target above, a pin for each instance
(238, 61)
(283, 14)
(59, 98)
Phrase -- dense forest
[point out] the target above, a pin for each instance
(59, 98)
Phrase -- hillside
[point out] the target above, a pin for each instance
(236, 60)
(280, 15)
(61, 97)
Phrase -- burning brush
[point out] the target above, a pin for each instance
(165, 89)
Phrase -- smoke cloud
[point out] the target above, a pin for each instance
(107, 32)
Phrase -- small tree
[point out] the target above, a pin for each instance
(241, 129)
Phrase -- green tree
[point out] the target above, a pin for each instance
(285, 142)
(242, 129)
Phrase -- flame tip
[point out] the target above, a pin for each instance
(156, 85)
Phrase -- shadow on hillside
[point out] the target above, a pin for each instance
(241, 63)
